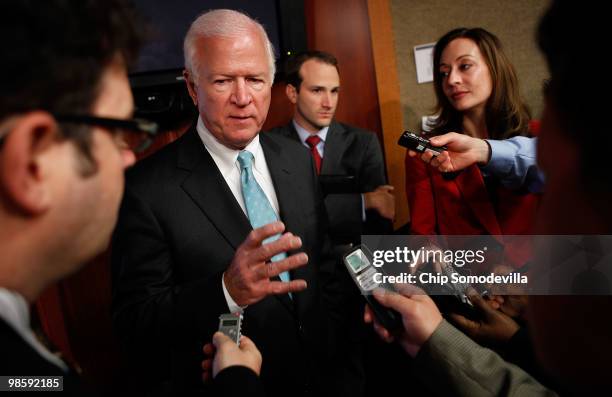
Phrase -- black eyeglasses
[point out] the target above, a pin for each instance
(140, 132)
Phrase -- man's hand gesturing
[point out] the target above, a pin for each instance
(247, 279)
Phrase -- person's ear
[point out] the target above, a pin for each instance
(291, 93)
(23, 177)
(190, 86)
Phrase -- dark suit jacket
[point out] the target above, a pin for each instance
(20, 359)
(238, 381)
(178, 229)
(350, 151)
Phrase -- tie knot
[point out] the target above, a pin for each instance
(313, 141)
(245, 158)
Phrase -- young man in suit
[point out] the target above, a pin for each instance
(313, 87)
(63, 105)
(190, 244)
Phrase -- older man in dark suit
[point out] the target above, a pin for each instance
(200, 230)
(359, 201)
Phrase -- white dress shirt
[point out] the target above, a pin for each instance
(303, 134)
(226, 160)
(15, 311)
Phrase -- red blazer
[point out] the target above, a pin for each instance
(462, 206)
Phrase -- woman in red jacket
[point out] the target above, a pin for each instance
(478, 94)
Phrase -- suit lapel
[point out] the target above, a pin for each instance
(335, 146)
(290, 132)
(281, 174)
(207, 188)
(471, 185)
(288, 193)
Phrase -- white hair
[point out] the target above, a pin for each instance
(223, 23)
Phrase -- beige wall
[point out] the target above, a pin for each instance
(418, 22)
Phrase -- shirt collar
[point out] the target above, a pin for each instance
(226, 158)
(15, 311)
(303, 134)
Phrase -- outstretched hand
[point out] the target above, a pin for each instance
(247, 278)
(227, 353)
(462, 151)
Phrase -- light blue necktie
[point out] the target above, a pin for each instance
(259, 209)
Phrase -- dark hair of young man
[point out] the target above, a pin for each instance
(294, 64)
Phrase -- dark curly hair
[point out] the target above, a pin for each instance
(56, 51)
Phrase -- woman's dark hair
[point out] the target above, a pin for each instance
(506, 113)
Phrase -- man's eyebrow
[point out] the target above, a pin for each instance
(336, 87)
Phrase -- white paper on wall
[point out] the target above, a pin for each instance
(423, 57)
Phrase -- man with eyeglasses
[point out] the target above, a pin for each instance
(65, 105)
